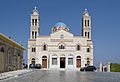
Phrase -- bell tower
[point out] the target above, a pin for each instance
(86, 25)
(34, 24)
(86, 32)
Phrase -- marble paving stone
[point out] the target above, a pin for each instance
(65, 76)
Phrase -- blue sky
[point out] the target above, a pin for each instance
(15, 22)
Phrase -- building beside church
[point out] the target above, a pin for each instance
(11, 54)
(60, 49)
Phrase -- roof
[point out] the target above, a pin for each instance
(60, 24)
(10, 41)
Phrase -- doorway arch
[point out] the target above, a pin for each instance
(33, 61)
(44, 61)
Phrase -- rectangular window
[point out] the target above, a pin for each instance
(70, 61)
(54, 61)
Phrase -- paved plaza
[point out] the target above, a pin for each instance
(16, 73)
(64, 76)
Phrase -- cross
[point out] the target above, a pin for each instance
(35, 8)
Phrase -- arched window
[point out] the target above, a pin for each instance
(88, 22)
(88, 34)
(78, 47)
(85, 33)
(18, 54)
(85, 23)
(33, 49)
(35, 34)
(2, 50)
(35, 22)
(88, 49)
(32, 34)
(33, 61)
(44, 47)
(61, 46)
(88, 61)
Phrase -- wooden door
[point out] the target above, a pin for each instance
(44, 63)
(78, 63)
(62, 62)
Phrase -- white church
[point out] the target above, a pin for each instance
(60, 49)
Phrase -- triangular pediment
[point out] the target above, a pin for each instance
(62, 34)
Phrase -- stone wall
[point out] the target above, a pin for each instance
(11, 57)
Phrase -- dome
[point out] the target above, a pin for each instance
(60, 26)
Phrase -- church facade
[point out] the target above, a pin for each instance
(60, 49)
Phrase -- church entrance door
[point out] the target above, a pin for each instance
(78, 62)
(44, 62)
(62, 62)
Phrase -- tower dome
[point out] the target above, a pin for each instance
(60, 26)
